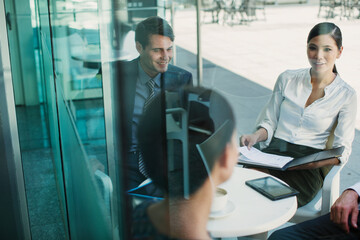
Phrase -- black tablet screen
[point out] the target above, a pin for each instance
(271, 188)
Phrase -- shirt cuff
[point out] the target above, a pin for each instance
(342, 160)
(356, 188)
(270, 133)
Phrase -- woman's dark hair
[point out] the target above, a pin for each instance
(207, 111)
(325, 28)
(151, 26)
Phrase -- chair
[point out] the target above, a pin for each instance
(230, 11)
(177, 129)
(213, 7)
(330, 6)
(350, 7)
(213, 146)
(105, 186)
(325, 198)
(260, 5)
(247, 9)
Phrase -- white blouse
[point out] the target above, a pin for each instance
(286, 117)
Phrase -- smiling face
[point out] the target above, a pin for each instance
(155, 57)
(322, 52)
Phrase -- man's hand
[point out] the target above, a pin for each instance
(344, 207)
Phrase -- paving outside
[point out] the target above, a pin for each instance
(243, 61)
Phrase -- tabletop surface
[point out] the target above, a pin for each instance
(254, 213)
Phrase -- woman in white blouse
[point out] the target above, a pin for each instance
(305, 105)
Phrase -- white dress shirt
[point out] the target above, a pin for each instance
(356, 188)
(141, 94)
(286, 117)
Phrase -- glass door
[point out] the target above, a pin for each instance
(63, 85)
(77, 89)
(55, 61)
(31, 69)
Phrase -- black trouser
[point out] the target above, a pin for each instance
(318, 228)
(133, 174)
(135, 177)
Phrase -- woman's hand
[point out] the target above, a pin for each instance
(250, 139)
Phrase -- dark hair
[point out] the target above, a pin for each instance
(207, 113)
(327, 28)
(150, 26)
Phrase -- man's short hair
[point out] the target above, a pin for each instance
(152, 26)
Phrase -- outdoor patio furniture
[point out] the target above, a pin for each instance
(260, 5)
(352, 9)
(249, 215)
(323, 200)
(330, 8)
(249, 8)
(326, 197)
(213, 7)
(230, 12)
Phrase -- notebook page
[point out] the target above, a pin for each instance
(257, 157)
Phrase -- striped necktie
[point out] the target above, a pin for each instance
(151, 86)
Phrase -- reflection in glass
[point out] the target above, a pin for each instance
(188, 177)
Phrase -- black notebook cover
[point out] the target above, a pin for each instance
(322, 155)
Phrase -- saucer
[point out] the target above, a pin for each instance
(228, 210)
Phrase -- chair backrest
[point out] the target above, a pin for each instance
(324, 199)
(208, 3)
(212, 148)
(106, 188)
(330, 141)
(177, 129)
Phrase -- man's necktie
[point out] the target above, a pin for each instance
(151, 86)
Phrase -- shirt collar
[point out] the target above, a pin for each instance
(334, 83)
(328, 88)
(144, 78)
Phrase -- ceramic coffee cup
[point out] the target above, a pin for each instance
(220, 200)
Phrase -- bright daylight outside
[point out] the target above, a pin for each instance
(79, 141)
(243, 54)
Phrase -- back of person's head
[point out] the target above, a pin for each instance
(207, 111)
(152, 26)
(327, 28)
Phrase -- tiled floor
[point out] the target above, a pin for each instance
(46, 219)
(41, 193)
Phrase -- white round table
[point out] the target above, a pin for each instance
(254, 213)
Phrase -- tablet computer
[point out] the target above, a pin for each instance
(271, 188)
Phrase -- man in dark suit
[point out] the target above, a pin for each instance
(154, 41)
